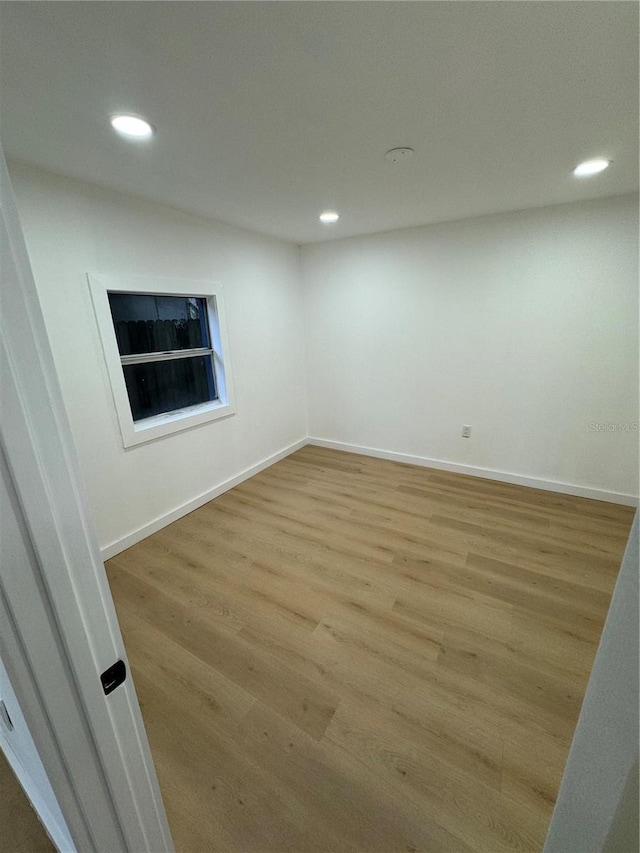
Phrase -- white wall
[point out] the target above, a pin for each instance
(596, 807)
(73, 228)
(523, 325)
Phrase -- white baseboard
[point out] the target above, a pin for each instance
(486, 473)
(158, 523)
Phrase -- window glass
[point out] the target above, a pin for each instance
(156, 387)
(145, 323)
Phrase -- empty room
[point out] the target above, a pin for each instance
(319, 427)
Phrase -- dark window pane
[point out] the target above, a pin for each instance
(155, 387)
(147, 323)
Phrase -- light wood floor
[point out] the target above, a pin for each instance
(349, 654)
(20, 828)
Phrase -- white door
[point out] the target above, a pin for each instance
(16, 741)
(58, 628)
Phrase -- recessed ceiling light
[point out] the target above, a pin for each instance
(591, 167)
(133, 127)
(397, 155)
(329, 216)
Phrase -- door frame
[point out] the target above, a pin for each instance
(58, 626)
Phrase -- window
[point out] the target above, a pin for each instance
(165, 351)
(164, 343)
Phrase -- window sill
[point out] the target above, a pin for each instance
(171, 422)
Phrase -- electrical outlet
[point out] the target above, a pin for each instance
(466, 431)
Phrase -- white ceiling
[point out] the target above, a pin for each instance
(269, 112)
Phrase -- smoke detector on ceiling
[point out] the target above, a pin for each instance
(397, 155)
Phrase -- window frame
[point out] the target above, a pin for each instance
(159, 426)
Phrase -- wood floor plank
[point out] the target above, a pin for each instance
(20, 828)
(397, 693)
(418, 690)
(546, 692)
(559, 644)
(532, 770)
(512, 585)
(355, 655)
(487, 615)
(562, 510)
(253, 811)
(307, 704)
(366, 813)
(499, 574)
(212, 695)
(475, 814)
